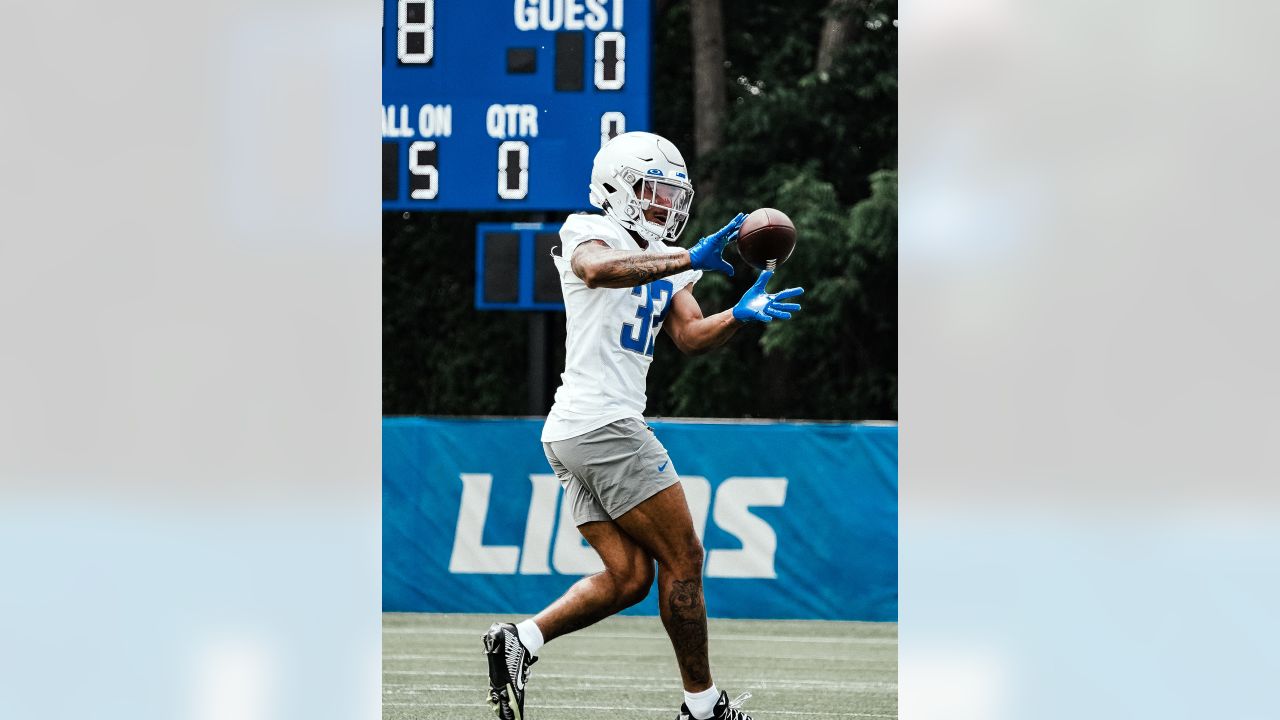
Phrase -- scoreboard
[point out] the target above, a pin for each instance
(502, 104)
(514, 270)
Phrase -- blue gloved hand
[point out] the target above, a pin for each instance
(761, 306)
(708, 253)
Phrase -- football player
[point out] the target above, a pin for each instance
(622, 283)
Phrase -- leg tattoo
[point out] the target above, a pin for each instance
(685, 616)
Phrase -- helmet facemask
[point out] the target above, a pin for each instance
(666, 201)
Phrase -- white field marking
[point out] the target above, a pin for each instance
(484, 618)
(625, 656)
(752, 682)
(779, 684)
(857, 687)
(577, 676)
(641, 636)
(646, 709)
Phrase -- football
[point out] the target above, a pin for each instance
(766, 238)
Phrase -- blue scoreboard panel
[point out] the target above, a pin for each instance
(502, 104)
(514, 270)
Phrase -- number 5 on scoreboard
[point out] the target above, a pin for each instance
(424, 178)
(513, 170)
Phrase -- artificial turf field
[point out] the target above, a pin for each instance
(433, 668)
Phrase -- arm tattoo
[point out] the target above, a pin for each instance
(620, 269)
(634, 269)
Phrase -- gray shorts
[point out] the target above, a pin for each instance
(608, 471)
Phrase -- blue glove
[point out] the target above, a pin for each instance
(708, 253)
(760, 306)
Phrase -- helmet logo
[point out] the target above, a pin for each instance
(655, 171)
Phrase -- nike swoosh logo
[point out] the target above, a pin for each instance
(663, 466)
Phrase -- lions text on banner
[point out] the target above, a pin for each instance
(799, 519)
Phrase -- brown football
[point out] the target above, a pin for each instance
(766, 238)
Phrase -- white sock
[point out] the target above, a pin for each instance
(702, 703)
(530, 636)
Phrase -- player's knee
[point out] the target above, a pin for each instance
(631, 584)
(636, 587)
(689, 558)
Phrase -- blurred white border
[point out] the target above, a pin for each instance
(1088, 359)
(190, 368)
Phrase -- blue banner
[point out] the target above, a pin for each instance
(799, 520)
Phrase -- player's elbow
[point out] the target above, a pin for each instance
(586, 272)
(687, 345)
(589, 274)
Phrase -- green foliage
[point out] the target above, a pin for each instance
(843, 346)
(821, 148)
(836, 358)
(783, 113)
(439, 355)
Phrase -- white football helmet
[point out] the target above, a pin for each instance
(636, 171)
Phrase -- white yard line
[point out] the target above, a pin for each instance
(644, 709)
(625, 656)
(863, 687)
(640, 636)
(577, 676)
(753, 682)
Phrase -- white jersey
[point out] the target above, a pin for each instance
(610, 334)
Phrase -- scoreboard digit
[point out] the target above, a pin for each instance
(502, 104)
(415, 36)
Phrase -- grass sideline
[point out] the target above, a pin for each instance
(433, 668)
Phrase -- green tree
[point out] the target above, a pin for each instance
(439, 355)
(821, 145)
(844, 352)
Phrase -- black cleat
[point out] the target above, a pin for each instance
(509, 663)
(724, 710)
